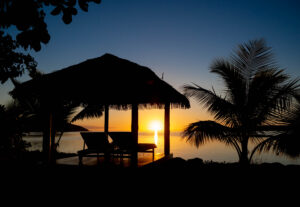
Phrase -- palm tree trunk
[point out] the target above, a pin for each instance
(244, 160)
(46, 138)
(52, 140)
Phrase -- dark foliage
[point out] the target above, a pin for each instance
(11, 143)
(28, 16)
(13, 64)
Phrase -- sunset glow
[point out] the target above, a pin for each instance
(120, 120)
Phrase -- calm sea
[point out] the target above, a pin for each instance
(71, 142)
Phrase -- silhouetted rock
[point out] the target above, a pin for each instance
(271, 165)
(176, 162)
(195, 163)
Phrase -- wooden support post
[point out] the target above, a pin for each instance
(167, 129)
(52, 153)
(135, 130)
(47, 136)
(106, 114)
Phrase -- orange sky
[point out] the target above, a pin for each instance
(121, 120)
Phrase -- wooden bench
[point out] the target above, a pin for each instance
(95, 144)
(125, 145)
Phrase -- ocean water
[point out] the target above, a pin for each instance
(71, 142)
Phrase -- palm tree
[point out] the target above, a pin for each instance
(12, 121)
(63, 116)
(256, 93)
(71, 114)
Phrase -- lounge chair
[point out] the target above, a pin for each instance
(97, 145)
(125, 145)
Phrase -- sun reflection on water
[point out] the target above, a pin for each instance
(155, 126)
(156, 137)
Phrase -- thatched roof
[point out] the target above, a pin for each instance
(105, 80)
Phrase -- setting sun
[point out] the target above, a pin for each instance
(155, 125)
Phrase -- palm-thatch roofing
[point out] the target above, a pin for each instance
(105, 80)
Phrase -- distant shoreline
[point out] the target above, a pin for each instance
(39, 133)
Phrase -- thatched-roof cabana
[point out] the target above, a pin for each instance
(108, 81)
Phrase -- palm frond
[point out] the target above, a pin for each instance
(89, 111)
(277, 103)
(287, 140)
(233, 79)
(252, 57)
(283, 144)
(221, 108)
(201, 132)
